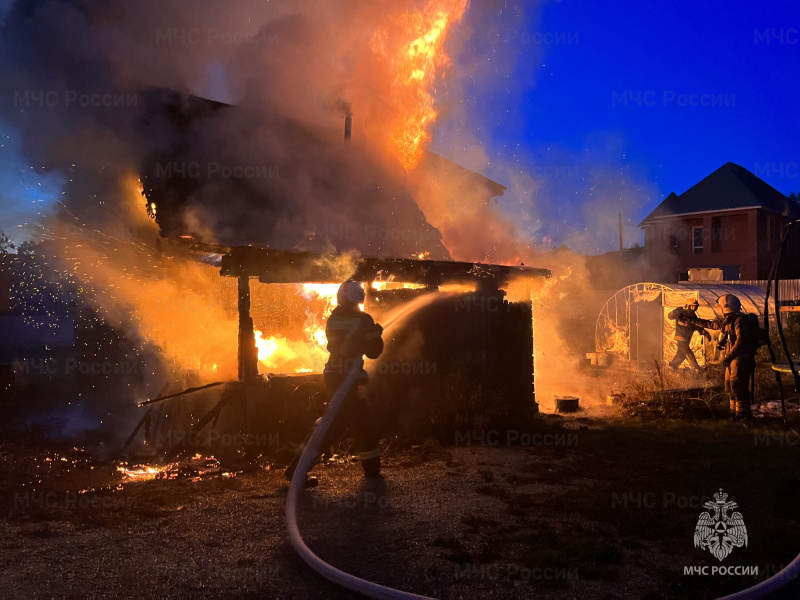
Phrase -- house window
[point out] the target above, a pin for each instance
(716, 234)
(673, 242)
(697, 239)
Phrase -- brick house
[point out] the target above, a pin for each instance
(728, 226)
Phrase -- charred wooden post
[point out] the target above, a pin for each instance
(177, 394)
(145, 421)
(248, 353)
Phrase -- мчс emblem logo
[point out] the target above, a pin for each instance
(720, 533)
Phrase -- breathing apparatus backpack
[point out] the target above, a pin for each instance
(757, 336)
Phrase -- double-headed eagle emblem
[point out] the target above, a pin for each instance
(720, 534)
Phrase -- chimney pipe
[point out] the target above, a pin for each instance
(348, 127)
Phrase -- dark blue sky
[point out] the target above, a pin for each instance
(607, 104)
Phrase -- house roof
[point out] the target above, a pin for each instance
(253, 210)
(729, 187)
(281, 266)
(443, 167)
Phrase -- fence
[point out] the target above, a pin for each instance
(789, 288)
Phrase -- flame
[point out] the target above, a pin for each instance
(417, 60)
(325, 291)
(395, 285)
(277, 353)
(142, 472)
(545, 286)
(183, 307)
(195, 467)
(266, 348)
(315, 329)
(282, 355)
(170, 300)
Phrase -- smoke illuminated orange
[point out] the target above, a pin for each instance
(418, 59)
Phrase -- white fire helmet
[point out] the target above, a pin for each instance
(350, 292)
(729, 304)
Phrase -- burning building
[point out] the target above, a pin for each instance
(458, 352)
(269, 190)
(459, 348)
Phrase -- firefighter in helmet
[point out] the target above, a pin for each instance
(741, 344)
(351, 334)
(684, 329)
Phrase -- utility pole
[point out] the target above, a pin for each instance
(620, 234)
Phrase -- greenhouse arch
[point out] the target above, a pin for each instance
(633, 324)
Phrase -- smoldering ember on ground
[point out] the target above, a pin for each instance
(219, 170)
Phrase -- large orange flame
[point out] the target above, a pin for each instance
(418, 59)
(186, 310)
(279, 354)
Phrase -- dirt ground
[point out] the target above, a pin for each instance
(577, 508)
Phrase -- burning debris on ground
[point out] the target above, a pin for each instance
(284, 237)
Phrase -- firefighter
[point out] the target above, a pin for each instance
(684, 329)
(741, 343)
(351, 334)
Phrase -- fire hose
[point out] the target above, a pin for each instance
(792, 570)
(766, 587)
(350, 582)
(307, 457)
(374, 590)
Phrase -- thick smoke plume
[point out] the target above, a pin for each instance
(85, 87)
(82, 87)
(99, 91)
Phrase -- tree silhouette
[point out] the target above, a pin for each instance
(5, 243)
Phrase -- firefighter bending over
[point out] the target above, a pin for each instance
(351, 334)
(684, 329)
(741, 344)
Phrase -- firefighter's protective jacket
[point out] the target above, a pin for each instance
(740, 339)
(685, 323)
(351, 334)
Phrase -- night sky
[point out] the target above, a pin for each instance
(604, 110)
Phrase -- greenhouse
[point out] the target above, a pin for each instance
(634, 324)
